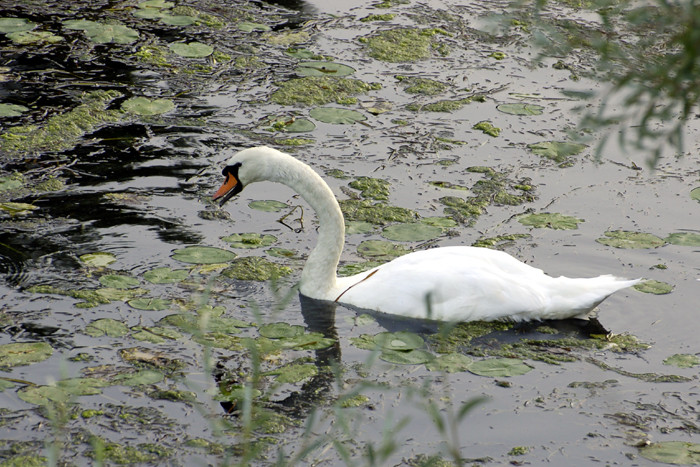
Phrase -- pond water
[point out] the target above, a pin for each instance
(141, 364)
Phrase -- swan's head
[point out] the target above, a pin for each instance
(245, 167)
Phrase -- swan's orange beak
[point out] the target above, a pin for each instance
(230, 188)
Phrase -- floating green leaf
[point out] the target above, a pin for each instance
(149, 304)
(442, 222)
(154, 334)
(301, 54)
(247, 26)
(166, 275)
(98, 260)
(336, 115)
(155, 4)
(138, 378)
(627, 239)
(488, 128)
(324, 69)
(521, 109)
(102, 33)
(280, 330)
(62, 391)
(106, 327)
(250, 240)
(17, 209)
(672, 452)
(117, 281)
(411, 232)
(12, 110)
(294, 373)
(24, 353)
(654, 287)
(178, 20)
(499, 367)
(203, 255)
(11, 182)
(451, 363)
(191, 50)
(380, 249)
(293, 125)
(558, 151)
(695, 194)
(358, 227)
(145, 106)
(684, 239)
(401, 340)
(682, 360)
(550, 220)
(253, 268)
(9, 25)
(268, 205)
(34, 37)
(411, 357)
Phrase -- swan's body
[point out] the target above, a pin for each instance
(458, 283)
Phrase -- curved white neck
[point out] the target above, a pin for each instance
(318, 279)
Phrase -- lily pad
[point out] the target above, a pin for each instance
(11, 182)
(62, 391)
(627, 239)
(324, 69)
(165, 275)
(499, 367)
(521, 109)
(253, 268)
(24, 353)
(552, 220)
(34, 37)
(695, 194)
(401, 340)
(380, 250)
(117, 281)
(684, 239)
(9, 25)
(558, 151)
(293, 125)
(280, 330)
(356, 268)
(102, 33)
(411, 357)
(294, 373)
(98, 260)
(145, 106)
(682, 360)
(156, 4)
(138, 378)
(268, 205)
(154, 334)
(106, 327)
(250, 240)
(178, 20)
(149, 304)
(17, 209)
(411, 232)
(336, 115)
(358, 227)
(247, 26)
(451, 363)
(12, 110)
(672, 452)
(442, 222)
(191, 50)
(654, 287)
(203, 255)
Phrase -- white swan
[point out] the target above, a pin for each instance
(461, 283)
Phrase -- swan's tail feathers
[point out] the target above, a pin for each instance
(576, 297)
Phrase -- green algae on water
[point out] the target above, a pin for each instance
(375, 213)
(403, 44)
(319, 90)
(254, 268)
(373, 188)
(488, 128)
(63, 131)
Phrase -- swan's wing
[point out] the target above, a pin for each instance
(461, 283)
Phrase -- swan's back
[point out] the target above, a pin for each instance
(470, 284)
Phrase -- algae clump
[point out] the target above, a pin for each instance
(403, 44)
(65, 130)
(318, 90)
(375, 213)
(253, 268)
(374, 188)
